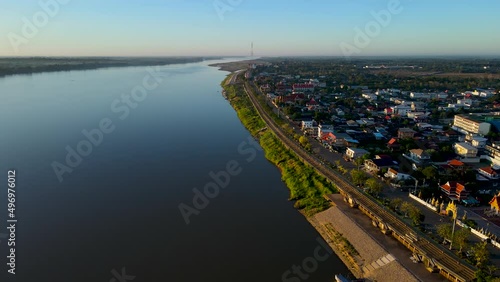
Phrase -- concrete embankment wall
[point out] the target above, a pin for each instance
(375, 262)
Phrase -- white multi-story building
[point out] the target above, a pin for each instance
(469, 124)
(493, 152)
(479, 142)
(401, 110)
(465, 150)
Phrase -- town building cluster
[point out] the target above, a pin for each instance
(402, 136)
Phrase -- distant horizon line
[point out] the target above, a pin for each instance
(255, 57)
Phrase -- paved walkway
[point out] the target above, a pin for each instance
(385, 259)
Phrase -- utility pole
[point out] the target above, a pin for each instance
(453, 229)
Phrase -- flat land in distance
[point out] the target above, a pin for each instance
(412, 73)
(234, 66)
(29, 65)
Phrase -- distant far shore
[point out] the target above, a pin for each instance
(31, 65)
(235, 66)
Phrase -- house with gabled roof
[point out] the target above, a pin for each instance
(354, 153)
(380, 162)
(419, 156)
(451, 167)
(339, 139)
(406, 133)
(489, 172)
(324, 129)
(303, 87)
(291, 99)
(393, 144)
(456, 164)
(454, 190)
(311, 102)
(395, 175)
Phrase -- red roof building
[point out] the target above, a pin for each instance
(393, 144)
(454, 190)
(456, 164)
(303, 87)
(489, 172)
(281, 87)
(293, 98)
(312, 102)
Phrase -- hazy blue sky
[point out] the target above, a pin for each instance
(293, 27)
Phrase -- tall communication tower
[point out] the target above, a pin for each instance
(251, 52)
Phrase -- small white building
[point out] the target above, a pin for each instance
(395, 175)
(307, 124)
(418, 106)
(424, 126)
(415, 115)
(418, 95)
(401, 110)
(466, 102)
(465, 150)
(419, 155)
(354, 153)
(479, 142)
(369, 96)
